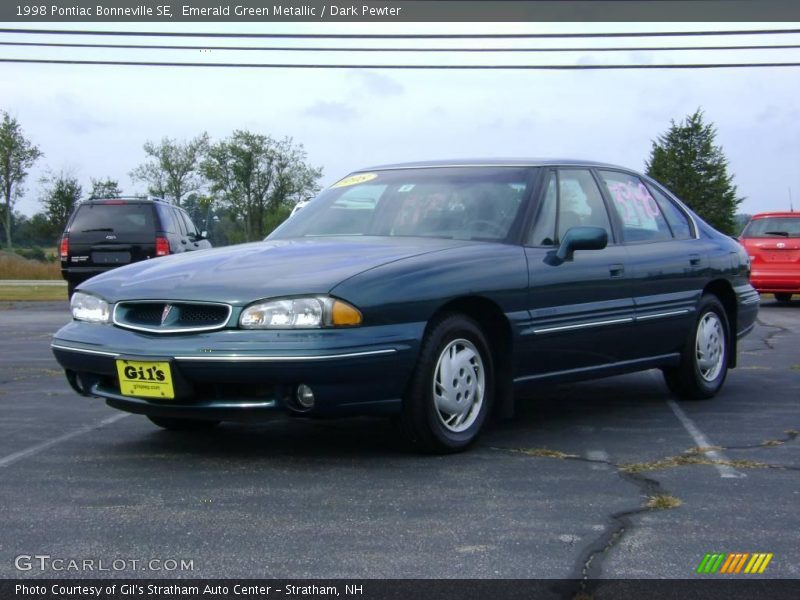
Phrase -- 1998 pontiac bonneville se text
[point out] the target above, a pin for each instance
(430, 291)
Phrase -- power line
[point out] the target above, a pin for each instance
(397, 48)
(402, 35)
(399, 66)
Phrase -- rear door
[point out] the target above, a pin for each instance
(110, 233)
(668, 268)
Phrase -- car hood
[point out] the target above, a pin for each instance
(247, 272)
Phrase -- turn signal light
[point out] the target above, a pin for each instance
(64, 249)
(162, 246)
(344, 314)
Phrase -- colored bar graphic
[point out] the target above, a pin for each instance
(733, 563)
(765, 563)
(740, 564)
(701, 568)
(732, 558)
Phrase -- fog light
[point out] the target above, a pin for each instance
(305, 397)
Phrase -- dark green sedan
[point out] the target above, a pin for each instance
(432, 292)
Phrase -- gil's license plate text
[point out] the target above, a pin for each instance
(145, 379)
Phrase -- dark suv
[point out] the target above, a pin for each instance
(104, 233)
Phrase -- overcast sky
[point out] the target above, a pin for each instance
(93, 120)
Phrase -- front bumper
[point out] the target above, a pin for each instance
(243, 375)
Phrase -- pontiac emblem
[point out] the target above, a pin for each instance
(165, 313)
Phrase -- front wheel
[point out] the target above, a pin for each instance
(451, 391)
(783, 297)
(705, 356)
(173, 424)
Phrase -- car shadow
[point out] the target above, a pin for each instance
(792, 304)
(552, 409)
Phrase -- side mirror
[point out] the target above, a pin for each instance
(581, 238)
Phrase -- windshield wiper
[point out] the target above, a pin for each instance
(98, 229)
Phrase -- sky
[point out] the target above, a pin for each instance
(93, 120)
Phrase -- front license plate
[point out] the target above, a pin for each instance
(145, 379)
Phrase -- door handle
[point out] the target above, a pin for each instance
(616, 270)
(695, 260)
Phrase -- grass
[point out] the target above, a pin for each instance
(663, 502)
(544, 453)
(21, 293)
(686, 460)
(13, 266)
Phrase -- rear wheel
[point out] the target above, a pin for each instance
(783, 297)
(173, 424)
(71, 285)
(705, 356)
(451, 391)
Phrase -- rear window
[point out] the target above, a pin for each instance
(113, 218)
(773, 227)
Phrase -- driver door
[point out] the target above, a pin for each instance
(581, 309)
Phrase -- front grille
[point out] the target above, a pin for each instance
(201, 314)
(145, 314)
(171, 317)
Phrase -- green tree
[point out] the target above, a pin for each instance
(17, 155)
(257, 177)
(61, 193)
(173, 169)
(688, 161)
(105, 188)
(31, 232)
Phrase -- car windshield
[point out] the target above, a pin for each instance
(454, 202)
(771, 227)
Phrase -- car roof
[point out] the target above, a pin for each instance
(127, 199)
(493, 162)
(776, 214)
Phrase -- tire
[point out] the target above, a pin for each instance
(440, 416)
(693, 378)
(71, 285)
(173, 424)
(783, 296)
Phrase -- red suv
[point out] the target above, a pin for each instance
(773, 243)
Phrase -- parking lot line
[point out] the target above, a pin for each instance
(601, 456)
(16, 456)
(702, 441)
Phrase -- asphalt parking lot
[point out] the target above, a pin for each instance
(560, 491)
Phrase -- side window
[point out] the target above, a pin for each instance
(191, 230)
(544, 228)
(165, 216)
(580, 203)
(179, 221)
(678, 221)
(641, 217)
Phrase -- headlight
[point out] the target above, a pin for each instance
(300, 313)
(86, 307)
